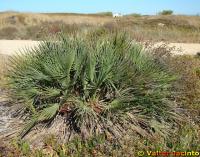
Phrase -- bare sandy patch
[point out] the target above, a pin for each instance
(185, 48)
(10, 47)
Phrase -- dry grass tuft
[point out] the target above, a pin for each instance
(3, 68)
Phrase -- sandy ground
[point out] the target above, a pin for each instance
(185, 48)
(10, 47)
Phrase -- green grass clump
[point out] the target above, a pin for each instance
(100, 86)
(166, 12)
(105, 13)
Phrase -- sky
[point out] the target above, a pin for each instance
(190, 7)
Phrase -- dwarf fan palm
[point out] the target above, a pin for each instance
(105, 85)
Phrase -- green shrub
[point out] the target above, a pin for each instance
(105, 13)
(100, 85)
(135, 15)
(166, 12)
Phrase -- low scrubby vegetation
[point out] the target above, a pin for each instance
(166, 12)
(176, 28)
(115, 97)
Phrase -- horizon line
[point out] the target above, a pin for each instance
(92, 13)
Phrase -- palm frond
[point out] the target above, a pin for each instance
(99, 82)
(44, 115)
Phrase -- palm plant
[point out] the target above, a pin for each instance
(107, 85)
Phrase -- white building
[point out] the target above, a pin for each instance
(117, 15)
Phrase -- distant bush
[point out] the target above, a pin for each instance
(166, 12)
(105, 13)
(135, 15)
